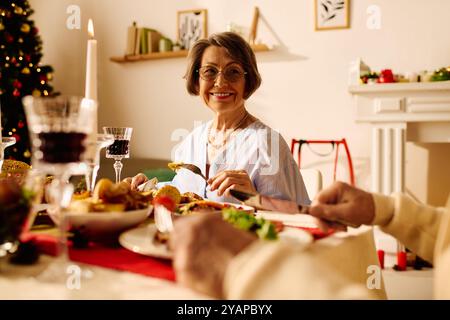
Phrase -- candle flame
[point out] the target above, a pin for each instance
(91, 29)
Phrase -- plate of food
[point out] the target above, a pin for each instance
(111, 209)
(145, 240)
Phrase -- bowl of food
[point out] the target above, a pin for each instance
(110, 210)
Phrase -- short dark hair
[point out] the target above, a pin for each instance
(236, 47)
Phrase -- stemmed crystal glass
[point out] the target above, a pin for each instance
(6, 142)
(102, 140)
(59, 127)
(120, 148)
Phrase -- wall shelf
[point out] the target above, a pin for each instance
(171, 54)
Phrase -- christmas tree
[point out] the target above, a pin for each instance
(20, 73)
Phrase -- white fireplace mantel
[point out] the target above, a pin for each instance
(400, 112)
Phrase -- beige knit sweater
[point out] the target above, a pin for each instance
(288, 271)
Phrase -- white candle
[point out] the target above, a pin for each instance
(91, 72)
(91, 64)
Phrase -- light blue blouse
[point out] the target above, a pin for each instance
(257, 149)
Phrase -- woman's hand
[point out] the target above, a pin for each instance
(136, 181)
(228, 180)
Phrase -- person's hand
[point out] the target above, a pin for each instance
(343, 204)
(203, 246)
(228, 180)
(136, 181)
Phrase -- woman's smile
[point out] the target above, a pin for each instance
(222, 96)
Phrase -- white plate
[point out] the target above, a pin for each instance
(140, 240)
(96, 223)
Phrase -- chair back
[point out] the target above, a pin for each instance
(313, 181)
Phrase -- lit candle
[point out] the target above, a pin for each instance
(91, 64)
(91, 73)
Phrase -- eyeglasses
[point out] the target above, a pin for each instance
(231, 74)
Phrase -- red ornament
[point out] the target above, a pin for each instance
(16, 93)
(43, 77)
(386, 76)
(17, 84)
(9, 38)
(20, 124)
(15, 135)
(13, 60)
(28, 58)
(34, 31)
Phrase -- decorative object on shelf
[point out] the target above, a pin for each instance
(191, 26)
(165, 44)
(254, 27)
(332, 14)
(357, 71)
(148, 40)
(131, 39)
(386, 76)
(176, 46)
(442, 74)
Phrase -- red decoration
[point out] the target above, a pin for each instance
(17, 84)
(401, 261)
(15, 135)
(20, 124)
(381, 258)
(27, 57)
(386, 76)
(43, 78)
(16, 93)
(9, 38)
(13, 60)
(34, 31)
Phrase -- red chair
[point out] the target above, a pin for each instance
(334, 144)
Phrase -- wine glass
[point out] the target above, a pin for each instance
(103, 140)
(6, 142)
(120, 148)
(59, 127)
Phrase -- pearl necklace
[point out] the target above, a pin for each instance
(224, 141)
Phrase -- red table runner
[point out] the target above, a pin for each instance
(109, 257)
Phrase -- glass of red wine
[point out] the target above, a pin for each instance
(59, 128)
(120, 147)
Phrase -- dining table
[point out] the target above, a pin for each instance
(115, 273)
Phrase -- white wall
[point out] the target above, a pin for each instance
(304, 92)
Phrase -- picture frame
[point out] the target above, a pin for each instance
(191, 26)
(331, 14)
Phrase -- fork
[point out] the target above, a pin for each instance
(191, 167)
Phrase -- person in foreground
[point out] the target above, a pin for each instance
(234, 149)
(213, 257)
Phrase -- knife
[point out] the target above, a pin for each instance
(262, 202)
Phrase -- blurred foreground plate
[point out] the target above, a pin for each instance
(140, 240)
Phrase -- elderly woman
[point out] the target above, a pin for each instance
(234, 150)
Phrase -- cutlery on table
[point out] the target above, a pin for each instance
(262, 202)
(188, 166)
